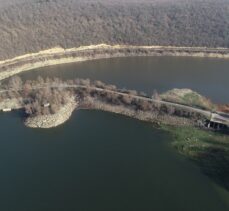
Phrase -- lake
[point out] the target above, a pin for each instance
(207, 76)
(102, 161)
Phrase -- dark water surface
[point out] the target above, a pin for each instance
(209, 77)
(99, 161)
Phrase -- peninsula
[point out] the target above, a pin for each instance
(193, 120)
(65, 167)
(50, 102)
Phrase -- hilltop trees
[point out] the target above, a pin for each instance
(30, 26)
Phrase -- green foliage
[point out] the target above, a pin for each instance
(188, 97)
(210, 150)
(192, 98)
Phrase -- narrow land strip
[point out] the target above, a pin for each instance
(96, 98)
(58, 55)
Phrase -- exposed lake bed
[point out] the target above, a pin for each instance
(121, 163)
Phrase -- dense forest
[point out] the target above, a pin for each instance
(32, 25)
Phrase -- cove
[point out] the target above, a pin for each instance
(207, 76)
(98, 161)
(102, 161)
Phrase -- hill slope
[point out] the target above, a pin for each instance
(33, 25)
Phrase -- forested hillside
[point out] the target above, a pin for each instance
(33, 25)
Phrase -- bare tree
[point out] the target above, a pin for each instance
(155, 95)
(15, 82)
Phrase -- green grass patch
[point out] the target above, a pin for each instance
(210, 150)
(188, 97)
(192, 99)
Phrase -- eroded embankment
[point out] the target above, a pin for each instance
(56, 56)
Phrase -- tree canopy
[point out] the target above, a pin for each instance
(33, 25)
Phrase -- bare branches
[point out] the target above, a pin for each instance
(33, 26)
(48, 96)
(15, 82)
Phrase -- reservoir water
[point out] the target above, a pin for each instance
(209, 77)
(102, 161)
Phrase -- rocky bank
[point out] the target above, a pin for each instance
(52, 120)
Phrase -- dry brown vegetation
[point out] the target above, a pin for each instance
(36, 99)
(38, 93)
(224, 108)
(32, 25)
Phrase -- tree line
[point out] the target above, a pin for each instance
(45, 96)
(33, 25)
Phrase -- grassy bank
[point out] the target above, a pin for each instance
(210, 150)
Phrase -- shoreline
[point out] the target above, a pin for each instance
(56, 56)
(198, 145)
(48, 106)
(66, 111)
(191, 136)
(52, 120)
